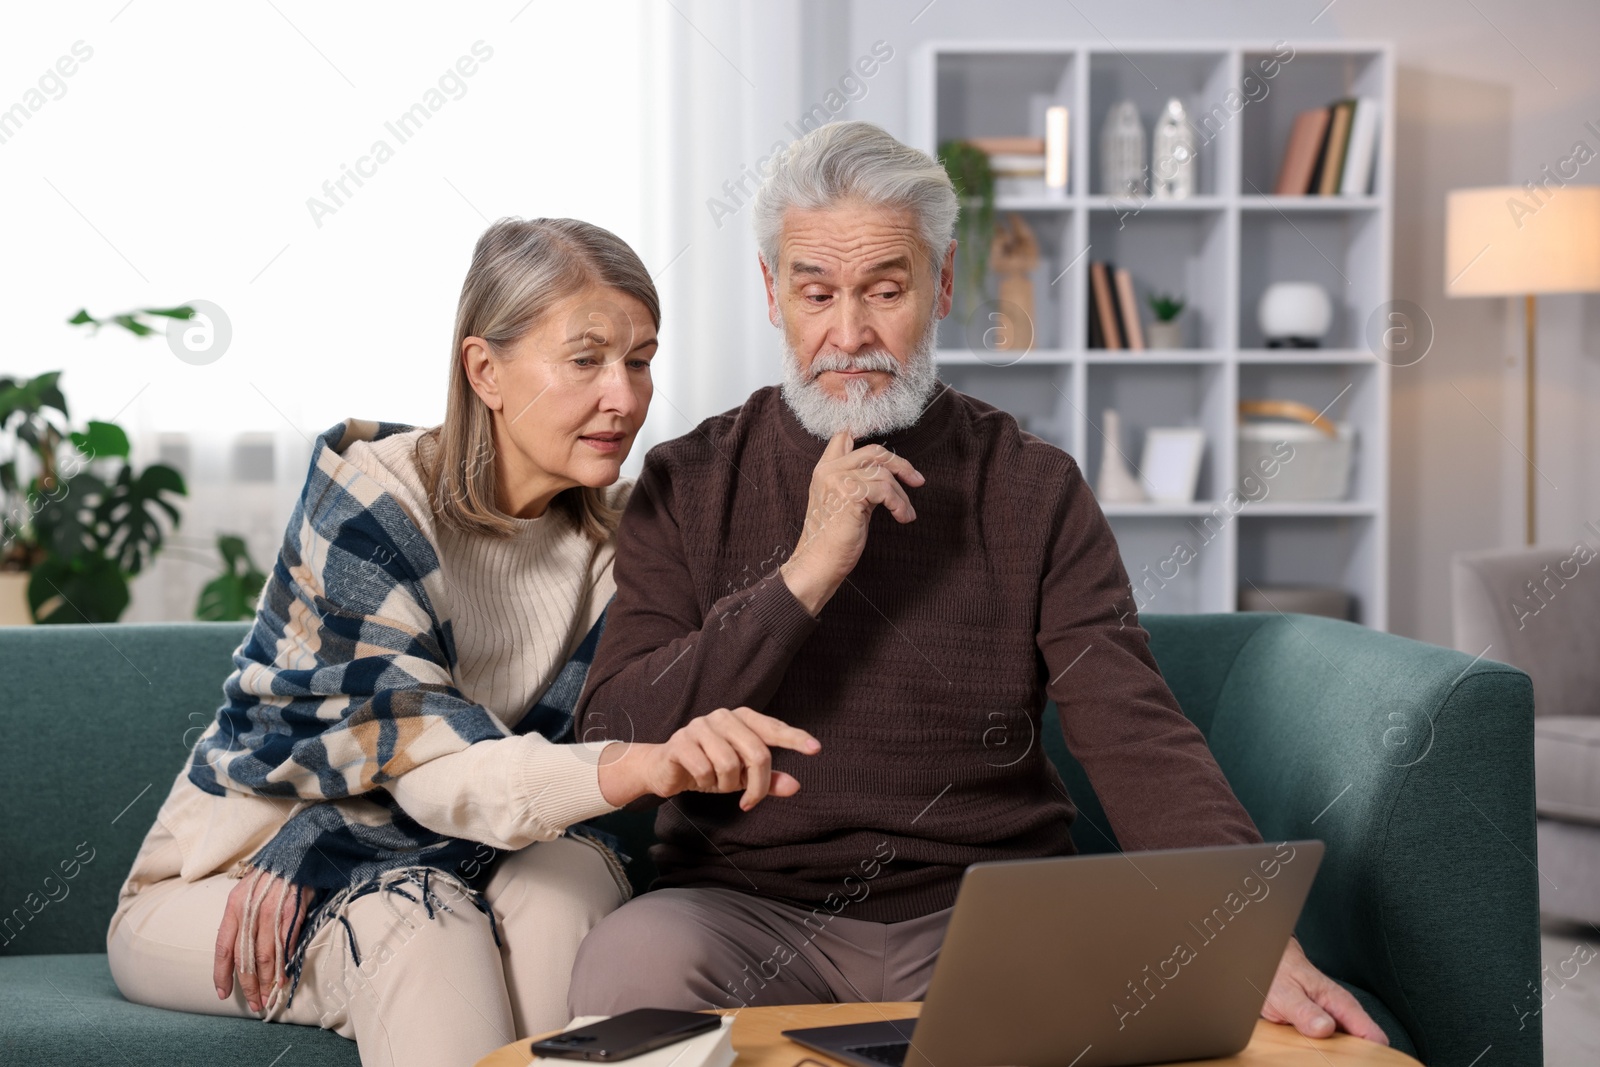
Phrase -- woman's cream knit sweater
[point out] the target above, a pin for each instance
(518, 609)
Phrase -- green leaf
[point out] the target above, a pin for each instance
(158, 477)
(1165, 306)
(232, 594)
(63, 520)
(48, 392)
(81, 318)
(85, 588)
(182, 311)
(126, 517)
(103, 439)
(233, 550)
(31, 395)
(132, 325)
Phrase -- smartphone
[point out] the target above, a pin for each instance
(629, 1034)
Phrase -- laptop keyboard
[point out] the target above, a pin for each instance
(893, 1053)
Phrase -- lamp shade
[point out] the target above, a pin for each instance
(1509, 241)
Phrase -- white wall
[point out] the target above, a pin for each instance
(1487, 92)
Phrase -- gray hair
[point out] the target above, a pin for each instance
(520, 269)
(856, 160)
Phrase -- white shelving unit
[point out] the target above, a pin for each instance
(1219, 249)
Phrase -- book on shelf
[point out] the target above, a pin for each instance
(1030, 157)
(1097, 337)
(1331, 150)
(1105, 304)
(1300, 156)
(1017, 165)
(1362, 152)
(1128, 308)
(1000, 146)
(1338, 140)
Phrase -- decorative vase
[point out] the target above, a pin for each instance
(1013, 257)
(1164, 334)
(1294, 314)
(1116, 484)
(1172, 154)
(1122, 164)
(14, 599)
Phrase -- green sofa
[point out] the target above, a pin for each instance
(1414, 763)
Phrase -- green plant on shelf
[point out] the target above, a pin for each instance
(973, 178)
(1167, 307)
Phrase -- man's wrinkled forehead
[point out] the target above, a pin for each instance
(850, 239)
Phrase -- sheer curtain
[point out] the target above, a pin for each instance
(724, 77)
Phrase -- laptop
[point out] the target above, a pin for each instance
(1098, 961)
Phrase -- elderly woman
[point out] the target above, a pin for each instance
(380, 833)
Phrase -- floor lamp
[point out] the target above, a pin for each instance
(1521, 241)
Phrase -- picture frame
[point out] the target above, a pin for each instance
(1170, 467)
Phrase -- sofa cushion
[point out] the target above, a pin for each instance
(1566, 757)
(65, 1010)
(98, 723)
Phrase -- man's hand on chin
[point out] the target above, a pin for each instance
(1313, 1003)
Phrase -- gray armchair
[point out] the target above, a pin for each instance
(1539, 609)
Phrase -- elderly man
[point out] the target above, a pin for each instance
(900, 571)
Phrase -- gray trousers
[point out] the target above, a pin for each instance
(719, 948)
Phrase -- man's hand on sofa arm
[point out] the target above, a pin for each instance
(723, 751)
(1313, 1003)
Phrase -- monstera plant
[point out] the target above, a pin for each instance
(78, 517)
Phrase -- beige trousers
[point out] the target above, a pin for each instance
(433, 992)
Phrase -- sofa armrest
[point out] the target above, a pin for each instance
(1414, 764)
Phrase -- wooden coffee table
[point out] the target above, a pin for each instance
(758, 1039)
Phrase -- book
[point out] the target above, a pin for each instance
(1128, 305)
(1022, 146)
(1105, 305)
(714, 1048)
(1322, 154)
(1116, 304)
(1363, 151)
(1300, 156)
(1338, 140)
(1013, 164)
(1097, 336)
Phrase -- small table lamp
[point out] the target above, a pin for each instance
(1516, 241)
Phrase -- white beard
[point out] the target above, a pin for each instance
(860, 411)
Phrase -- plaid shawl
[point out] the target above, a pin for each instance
(344, 683)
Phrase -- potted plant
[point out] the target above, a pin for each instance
(76, 524)
(969, 170)
(1166, 331)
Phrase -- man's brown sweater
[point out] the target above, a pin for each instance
(924, 677)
